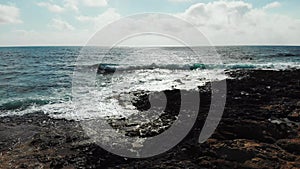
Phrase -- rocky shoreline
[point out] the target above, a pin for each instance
(259, 129)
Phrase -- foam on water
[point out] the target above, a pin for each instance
(43, 81)
(109, 96)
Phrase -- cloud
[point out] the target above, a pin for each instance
(216, 14)
(224, 22)
(9, 14)
(61, 25)
(238, 22)
(101, 20)
(51, 7)
(72, 5)
(95, 3)
(272, 5)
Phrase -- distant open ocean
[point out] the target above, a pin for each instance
(39, 79)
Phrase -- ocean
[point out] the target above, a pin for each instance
(39, 79)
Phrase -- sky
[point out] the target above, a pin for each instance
(223, 22)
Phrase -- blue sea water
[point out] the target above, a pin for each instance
(40, 78)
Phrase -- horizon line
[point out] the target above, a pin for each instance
(145, 46)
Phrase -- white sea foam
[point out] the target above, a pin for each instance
(149, 69)
(114, 99)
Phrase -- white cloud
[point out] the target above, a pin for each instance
(237, 22)
(94, 3)
(9, 14)
(216, 14)
(71, 4)
(51, 7)
(224, 22)
(272, 5)
(101, 20)
(61, 25)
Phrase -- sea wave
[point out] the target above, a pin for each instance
(153, 78)
(22, 104)
(112, 68)
(284, 55)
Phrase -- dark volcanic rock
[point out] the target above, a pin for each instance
(291, 145)
(294, 116)
(259, 129)
(263, 131)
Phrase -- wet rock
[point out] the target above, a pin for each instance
(245, 138)
(263, 131)
(295, 116)
(290, 145)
